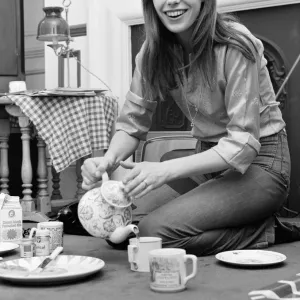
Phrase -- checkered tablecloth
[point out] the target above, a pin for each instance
(72, 127)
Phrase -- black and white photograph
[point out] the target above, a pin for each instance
(139, 132)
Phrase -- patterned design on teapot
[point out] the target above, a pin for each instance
(100, 218)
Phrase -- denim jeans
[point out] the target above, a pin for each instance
(227, 210)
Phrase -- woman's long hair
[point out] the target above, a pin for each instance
(160, 65)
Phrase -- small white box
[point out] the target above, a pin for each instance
(11, 218)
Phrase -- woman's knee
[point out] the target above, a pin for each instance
(198, 245)
(172, 234)
(150, 226)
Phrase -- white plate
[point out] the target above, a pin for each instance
(251, 257)
(63, 269)
(6, 247)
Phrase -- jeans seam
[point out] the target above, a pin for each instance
(275, 151)
(281, 173)
(269, 167)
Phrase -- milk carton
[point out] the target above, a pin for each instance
(11, 226)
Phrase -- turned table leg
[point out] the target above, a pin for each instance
(27, 203)
(56, 195)
(80, 191)
(4, 170)
(26, 169)
(42, 198)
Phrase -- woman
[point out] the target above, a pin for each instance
(214, 69)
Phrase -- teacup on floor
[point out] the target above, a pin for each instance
(138, 252)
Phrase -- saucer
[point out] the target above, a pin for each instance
(251, 257)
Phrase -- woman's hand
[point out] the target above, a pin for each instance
(93, 170)
(143, 177)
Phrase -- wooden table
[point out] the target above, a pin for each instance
(214, 281)
(92, 124)
(43, 199)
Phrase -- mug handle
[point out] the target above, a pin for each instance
(32, 231)
(194, 271)
(132, 250)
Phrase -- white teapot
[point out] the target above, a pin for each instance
(106, 212)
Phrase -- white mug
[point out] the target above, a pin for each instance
(138, 251)
(168, 269)
(56, 229)
(16, 86)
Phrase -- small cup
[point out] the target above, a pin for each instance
(26, 247)
(138, 252)
(16, 86)
(168, 271)
(56, 229)
(42, 241)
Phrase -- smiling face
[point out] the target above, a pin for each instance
(178, 16)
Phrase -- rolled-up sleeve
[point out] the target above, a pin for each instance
(241, 145)
(136, 114)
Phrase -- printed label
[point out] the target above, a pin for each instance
(11, 227)
(170, 279)
(42, 246)
(56, 236)
(165, 272)
(26, 250)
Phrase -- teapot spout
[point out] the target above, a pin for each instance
(121, 233)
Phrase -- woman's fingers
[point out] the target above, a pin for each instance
(88, 187)
(147, 187)
(127, 164)
(91, 186)
(136, 181)
(144, 192)
(132, 175)
(87, 176)
(137, 188)
(91, 170)
(88, 169)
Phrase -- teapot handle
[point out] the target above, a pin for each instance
(105, 177)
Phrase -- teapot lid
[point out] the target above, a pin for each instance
(113, 192)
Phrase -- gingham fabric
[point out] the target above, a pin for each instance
(72, 127)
